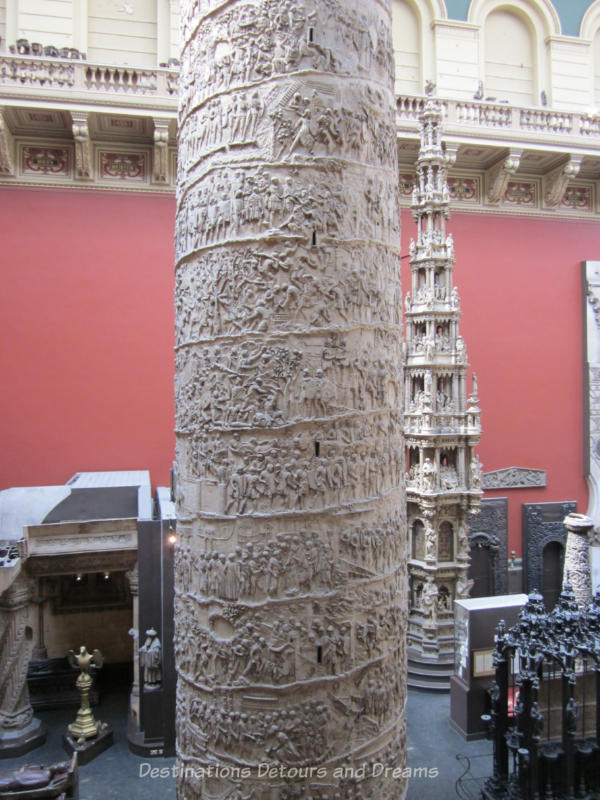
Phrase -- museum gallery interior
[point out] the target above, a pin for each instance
(301, 321)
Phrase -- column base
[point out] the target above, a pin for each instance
(17, 742)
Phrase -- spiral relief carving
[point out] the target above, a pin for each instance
(291, 595)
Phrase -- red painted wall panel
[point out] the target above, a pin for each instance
(87, 334)
(520, 288)
(87, 338)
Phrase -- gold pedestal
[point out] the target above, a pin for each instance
(85, 736)
(85, 726)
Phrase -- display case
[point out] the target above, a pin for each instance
(475, 623)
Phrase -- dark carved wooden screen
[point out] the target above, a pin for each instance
(552, 559)
(481, 572)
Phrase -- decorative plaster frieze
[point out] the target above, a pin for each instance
(104, 561)
(579, 198)
(122, 166)
(68, 538)
(522, 193)
(514, 478)
(45, 162)
(122, 96)
(465, 189)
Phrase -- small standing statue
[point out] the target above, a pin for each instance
(85, 726)
(150, 660)
(429, 600)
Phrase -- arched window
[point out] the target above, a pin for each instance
(407, 40)
(509, 68)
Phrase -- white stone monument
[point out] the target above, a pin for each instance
(291, 588)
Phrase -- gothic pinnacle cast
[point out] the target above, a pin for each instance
(441, 424)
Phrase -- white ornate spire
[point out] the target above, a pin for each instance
(442, 425)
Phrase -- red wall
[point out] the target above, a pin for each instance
(87, 338)
(519, 281)
(86, 305)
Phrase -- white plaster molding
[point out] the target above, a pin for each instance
(499, 174)
(29, 79)
(7, 148)
(436, 8)
(556, 181)
(83, 146)
(160, 161)
(457, 24)
(451, 151)
(537, 11)
(590, 21)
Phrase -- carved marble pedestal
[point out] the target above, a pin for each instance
(290, 575)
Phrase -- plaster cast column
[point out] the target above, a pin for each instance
(134, 698)
(20, 731)
(576, 569)
(291, 587)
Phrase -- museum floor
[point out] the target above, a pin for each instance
(115, 774)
